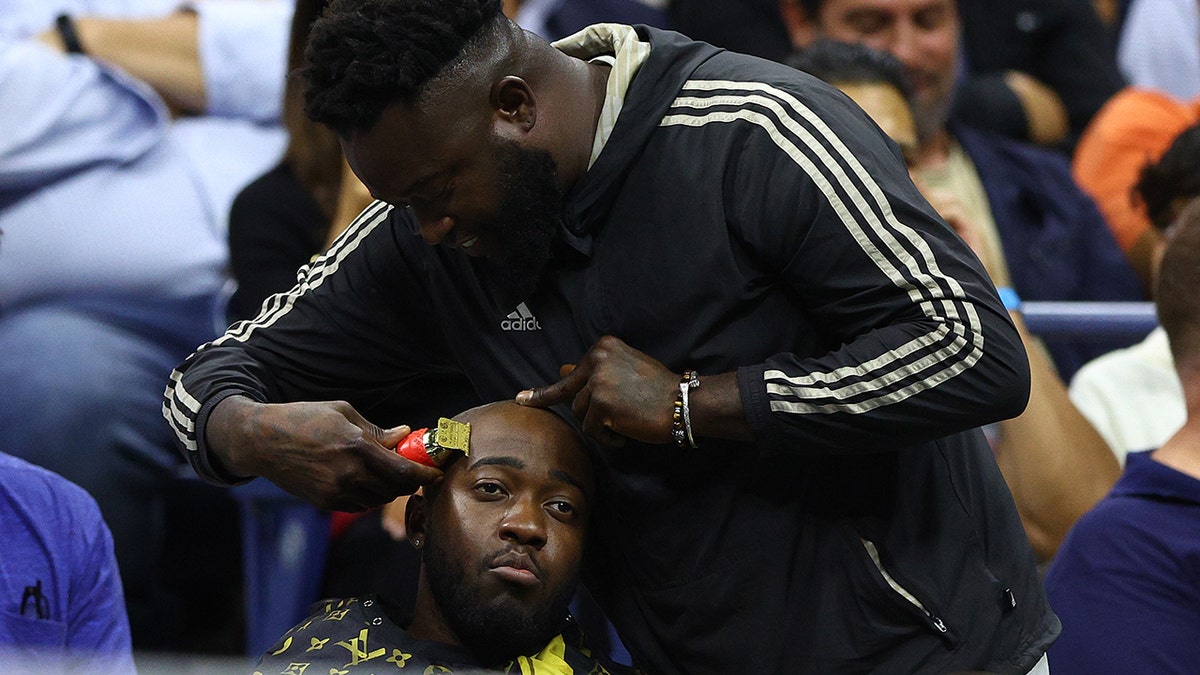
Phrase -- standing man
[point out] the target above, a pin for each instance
(636, 206)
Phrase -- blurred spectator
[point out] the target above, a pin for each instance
(286, 216)
(1134, 128)
(554, 19)
(1126, 582)
(113, 259)
(1159, 46)
(1132, 396)
(745, 26)
(61, 609)
(1035, 70)
(1043, 235)
(1056, 465)
(1030, 70)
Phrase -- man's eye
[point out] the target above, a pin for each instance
(563, 507)
(931, 18)
(868, 23)
(489, 488)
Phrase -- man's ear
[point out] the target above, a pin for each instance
(415, 514)
(801, 28)
(513, 106)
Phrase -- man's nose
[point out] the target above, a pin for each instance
(434, 229)
(905, 43)
(524, 523)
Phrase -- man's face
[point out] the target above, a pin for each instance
(506, 531)
(468, 189)
(922, 34)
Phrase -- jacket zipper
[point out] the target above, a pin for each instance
(934, 620)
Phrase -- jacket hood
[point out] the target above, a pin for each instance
(673, 58)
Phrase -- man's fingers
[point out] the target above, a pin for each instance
(405, 475)
(553, 394)
(566, 369)
(390, 438)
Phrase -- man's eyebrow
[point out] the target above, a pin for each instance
(568, 478)
(511, 462)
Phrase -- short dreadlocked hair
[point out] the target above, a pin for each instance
(1175, 177)
(365, 55)
(852, 63)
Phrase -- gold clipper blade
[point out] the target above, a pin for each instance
(449, 436)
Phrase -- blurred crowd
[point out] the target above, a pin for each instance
(159, 180)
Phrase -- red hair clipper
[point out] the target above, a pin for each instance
(435, 447)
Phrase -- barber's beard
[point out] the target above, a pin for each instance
(494, 630)
(531, 202)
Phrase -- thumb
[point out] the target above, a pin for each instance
(390, 438)
(542, 397)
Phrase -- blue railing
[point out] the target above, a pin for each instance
(1089, 319)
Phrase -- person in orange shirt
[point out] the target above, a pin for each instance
(1132, 130)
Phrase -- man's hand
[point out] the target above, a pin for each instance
(616, 391)
(322, 452)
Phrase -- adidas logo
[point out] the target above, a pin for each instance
(520, 319)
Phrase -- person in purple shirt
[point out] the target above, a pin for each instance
(1126, 582)
(61, 605)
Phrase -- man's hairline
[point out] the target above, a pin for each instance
(464, 67)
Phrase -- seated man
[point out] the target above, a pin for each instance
(501, 542)
(112, 264)
(1126, 582)
(61, 605)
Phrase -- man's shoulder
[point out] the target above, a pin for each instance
(46, 493)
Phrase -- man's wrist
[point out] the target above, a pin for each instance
(68, 34)
(717, 411)
(227, 432)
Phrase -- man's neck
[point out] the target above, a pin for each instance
(1182, 451)
(428, 623)
(583, 87)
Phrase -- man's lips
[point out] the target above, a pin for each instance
(517, 568)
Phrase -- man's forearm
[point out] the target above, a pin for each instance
(162, 52)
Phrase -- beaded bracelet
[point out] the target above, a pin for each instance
(681, 420)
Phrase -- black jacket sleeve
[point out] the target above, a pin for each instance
(920, 345)
(390, 364)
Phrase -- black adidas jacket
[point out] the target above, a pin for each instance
(741, 217)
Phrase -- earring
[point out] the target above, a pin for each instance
(416, 543)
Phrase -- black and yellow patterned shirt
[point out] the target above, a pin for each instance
(362, 636)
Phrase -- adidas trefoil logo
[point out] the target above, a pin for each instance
(520, 319)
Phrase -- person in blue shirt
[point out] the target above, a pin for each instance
(61, 606)
(113, 255)
(1126, 582)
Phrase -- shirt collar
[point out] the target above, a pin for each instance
(1145, 477)
(630, 52)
